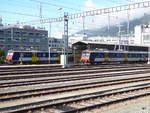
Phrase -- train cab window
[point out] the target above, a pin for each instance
(85, 54)
(10, 54)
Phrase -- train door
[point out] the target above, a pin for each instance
(126, 56)
(106, 56)
(34, 56)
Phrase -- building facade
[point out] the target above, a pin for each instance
(142, 35)
(25, 38)
(56, 44)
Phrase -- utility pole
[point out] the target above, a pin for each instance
(119, 36)
(21, 47)
(49, 44)
(108, 25)
(65, 64)
(40, 13)
(83, 21)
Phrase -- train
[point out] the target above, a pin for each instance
(17, 57)
(105, 56)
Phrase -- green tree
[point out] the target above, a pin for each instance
(2, 56)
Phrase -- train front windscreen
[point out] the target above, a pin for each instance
(85, 54)
(9, 56)
(85, 57)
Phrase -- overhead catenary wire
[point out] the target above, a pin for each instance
(19, 4)
(120, 8)
(18, 13)
(56, 5)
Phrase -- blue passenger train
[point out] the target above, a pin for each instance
(15, 57)
(101, 56)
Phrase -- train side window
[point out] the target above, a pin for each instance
(139, 55)
(118, 55)
(111, 55)
(47, 54)
(132, 55)
(16, 54)
(27, 54)
(121, 55)
(98, 55)
(39, 54)
(44, 54)
(102, 55)
(51, 54)
(54, 54)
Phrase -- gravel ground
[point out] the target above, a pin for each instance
(140, 105)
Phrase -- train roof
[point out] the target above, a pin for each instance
(92, 42)
(101, 51)
(32, 51)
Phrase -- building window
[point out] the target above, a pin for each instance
(9, 39)
(16, 39)
(31, 34)
(37, 40)
(37, 34)
(2, 39)
(31, 40)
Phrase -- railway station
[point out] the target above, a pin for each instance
(51, 69)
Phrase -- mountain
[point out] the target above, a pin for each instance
(113, 31)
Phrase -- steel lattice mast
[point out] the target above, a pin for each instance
(145, 4)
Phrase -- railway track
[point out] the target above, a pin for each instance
(54, 90)
(27, 69)
(83, 102)
(70, 90)
(68, 78)
(65, 72)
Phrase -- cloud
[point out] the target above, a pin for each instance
(89, 3)
(133, 1)
(115, 18)
(99, 21)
